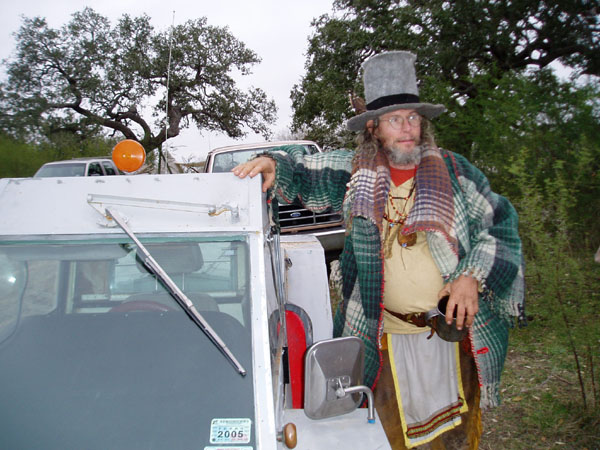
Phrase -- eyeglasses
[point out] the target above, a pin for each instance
(396, 122)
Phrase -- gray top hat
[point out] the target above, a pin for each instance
(391, 83)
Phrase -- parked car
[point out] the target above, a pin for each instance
(327, 226)
(78, 167)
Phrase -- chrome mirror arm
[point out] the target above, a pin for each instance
(342, 391)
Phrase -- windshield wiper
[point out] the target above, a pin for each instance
(177, 294)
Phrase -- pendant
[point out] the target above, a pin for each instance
(407, 240)
(388, 240)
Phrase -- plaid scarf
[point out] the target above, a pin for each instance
(434, 206)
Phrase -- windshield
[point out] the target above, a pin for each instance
(224, 162)
(62, 170)
(96, 354)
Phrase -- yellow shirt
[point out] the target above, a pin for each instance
(412, 279)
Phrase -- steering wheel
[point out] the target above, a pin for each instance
(141, 305)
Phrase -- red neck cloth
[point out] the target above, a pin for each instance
(401, 176)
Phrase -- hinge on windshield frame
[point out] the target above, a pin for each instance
(100, 202)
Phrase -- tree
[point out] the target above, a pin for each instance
(456, 42)
(490, 62)
(89, 76)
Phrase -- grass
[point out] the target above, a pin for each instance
(541, 399)
(542, 402)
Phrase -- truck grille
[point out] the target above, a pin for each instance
(293, 218)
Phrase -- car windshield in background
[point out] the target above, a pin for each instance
(90, 340)
(62, 170)
(224, 162)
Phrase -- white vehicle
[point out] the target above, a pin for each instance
(327, 226)
(78, 167)
(161, 312)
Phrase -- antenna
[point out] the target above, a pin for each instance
(169, 76)
(167, 93)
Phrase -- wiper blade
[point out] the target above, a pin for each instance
(177, 294)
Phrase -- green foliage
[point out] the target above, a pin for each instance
(556, 122)
(489, 63)
(67, 146)
(551, 377)
(456, 42)
(561, 286)
(18, 159)
(90, 76)
(21, 159)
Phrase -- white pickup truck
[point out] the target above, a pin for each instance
(162, 312)
(293, 218)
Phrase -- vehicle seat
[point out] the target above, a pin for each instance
(178, 259)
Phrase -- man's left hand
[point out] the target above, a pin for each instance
(464, 297)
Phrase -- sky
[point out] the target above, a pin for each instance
(277, 30)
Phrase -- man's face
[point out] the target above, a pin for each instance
(399, 133)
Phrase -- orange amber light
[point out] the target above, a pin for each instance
(128, 155)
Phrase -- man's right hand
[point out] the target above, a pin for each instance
(262, 164)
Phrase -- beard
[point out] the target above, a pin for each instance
(400, 158)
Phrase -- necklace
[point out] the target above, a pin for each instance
(392, 229)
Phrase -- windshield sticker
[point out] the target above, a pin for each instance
(230, 431)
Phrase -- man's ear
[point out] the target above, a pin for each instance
(371, 127)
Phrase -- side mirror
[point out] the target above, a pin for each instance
(333, 378)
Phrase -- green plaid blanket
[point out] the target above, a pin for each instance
(470, 230)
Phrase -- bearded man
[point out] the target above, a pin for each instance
(422, 224)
